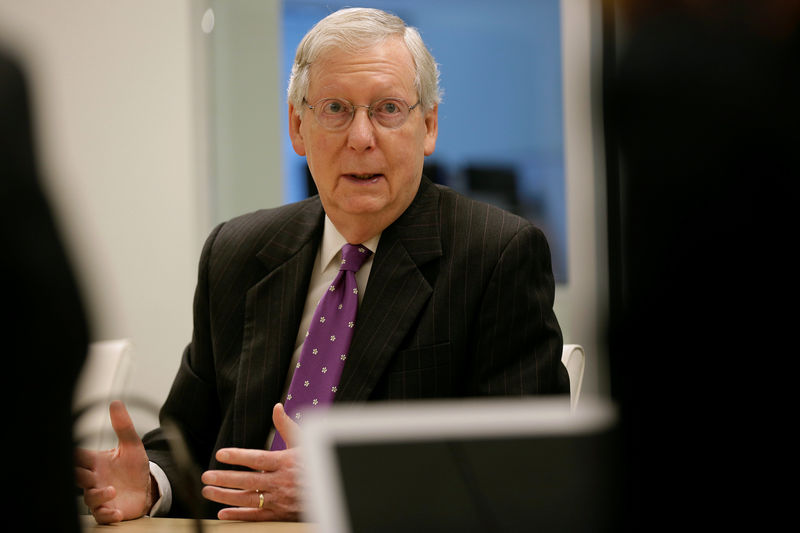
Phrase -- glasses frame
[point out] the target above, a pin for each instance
(369, 108)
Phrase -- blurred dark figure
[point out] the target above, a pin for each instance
(42, 330)
(702, 131)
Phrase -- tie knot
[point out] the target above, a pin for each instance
(353, 256)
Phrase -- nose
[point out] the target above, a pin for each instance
(361, 134)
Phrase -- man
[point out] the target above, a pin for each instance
(459, 299)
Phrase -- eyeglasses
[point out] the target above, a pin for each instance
(336, 114)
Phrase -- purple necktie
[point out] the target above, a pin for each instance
(325, 348)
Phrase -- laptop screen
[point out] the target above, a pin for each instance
(479, 465)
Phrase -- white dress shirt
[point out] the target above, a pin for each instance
(326, 266)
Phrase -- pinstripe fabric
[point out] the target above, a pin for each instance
(459, 303)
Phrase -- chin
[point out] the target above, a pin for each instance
(358, 204)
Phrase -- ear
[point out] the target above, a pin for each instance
(295, 121)
(431, 129)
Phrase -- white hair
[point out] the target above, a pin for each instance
(355, 30)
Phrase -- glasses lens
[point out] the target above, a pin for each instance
(333, 113)
(390, 113)
(336, 113)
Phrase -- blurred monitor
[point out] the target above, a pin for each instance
(486, 466)
(494, 184)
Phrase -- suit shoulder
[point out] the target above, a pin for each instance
(249, 232)
(480, 218)
(270, 216)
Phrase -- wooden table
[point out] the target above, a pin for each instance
(185, 525)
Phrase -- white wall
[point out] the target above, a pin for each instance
(119, 98)
(582, 304)
(246, 107)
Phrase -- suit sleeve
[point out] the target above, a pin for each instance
(192, 400)
(518, 339)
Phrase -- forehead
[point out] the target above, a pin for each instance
(387, 66)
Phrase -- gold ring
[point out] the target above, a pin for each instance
(260, 500)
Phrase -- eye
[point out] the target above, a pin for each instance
(334, 107)
(388, 107)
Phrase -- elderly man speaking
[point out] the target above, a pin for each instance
(385, 286)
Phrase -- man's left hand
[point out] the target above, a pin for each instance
(271, 491)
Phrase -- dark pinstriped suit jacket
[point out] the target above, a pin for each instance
(459, 303)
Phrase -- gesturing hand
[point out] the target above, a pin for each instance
(116, 483)
(271, 490)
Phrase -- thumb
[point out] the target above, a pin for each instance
(122, 424)
(287, 427)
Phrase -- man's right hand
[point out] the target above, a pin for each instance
(116, 483)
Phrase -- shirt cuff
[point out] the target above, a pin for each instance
(164, 502)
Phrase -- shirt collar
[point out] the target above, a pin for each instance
(332, 242)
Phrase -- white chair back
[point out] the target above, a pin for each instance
(574, 359)
(103, 378)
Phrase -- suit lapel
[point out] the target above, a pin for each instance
(273, 309)
(396, 292)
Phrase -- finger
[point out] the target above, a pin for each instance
(287, 427)
(85, 478)
(122, 423)
(255, 459)
(107, 515)
(98, 496)
(247, 514)
(85, 458)
(236, 497)
(234, 479)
